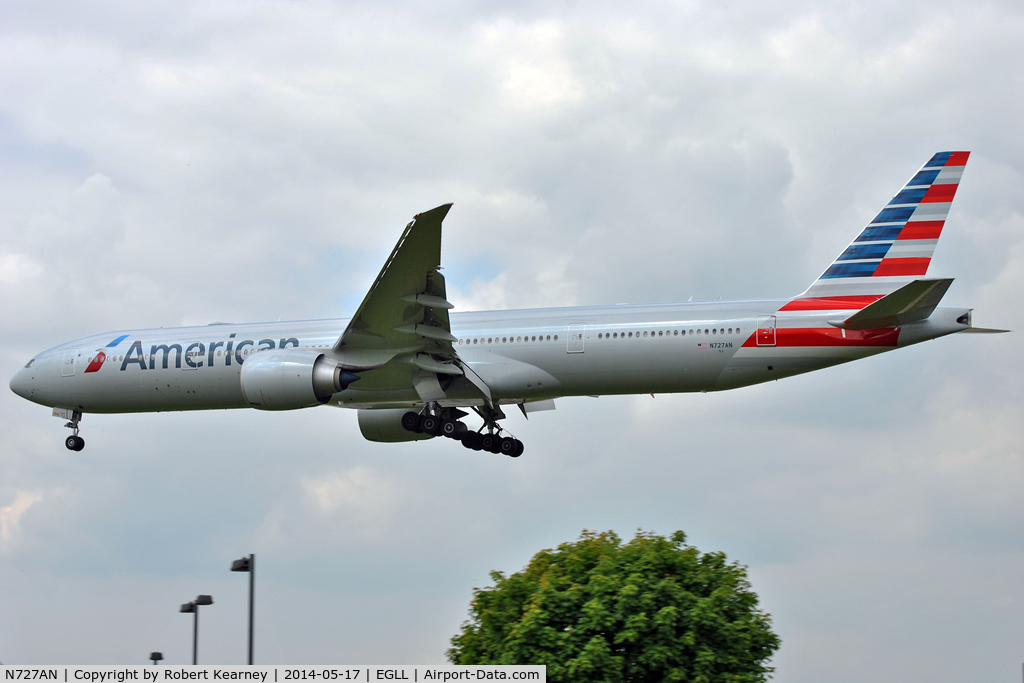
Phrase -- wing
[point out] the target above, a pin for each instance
(400, 335)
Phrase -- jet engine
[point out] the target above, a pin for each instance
(287, 379)
(385, 425)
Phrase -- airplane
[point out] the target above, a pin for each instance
(413, 369)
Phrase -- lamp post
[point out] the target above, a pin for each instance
(248, 564)
(193, 609)
(156, 657)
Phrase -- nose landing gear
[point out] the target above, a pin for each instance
(74, 442)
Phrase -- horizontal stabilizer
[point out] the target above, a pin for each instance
(984, 330)
(910, 303)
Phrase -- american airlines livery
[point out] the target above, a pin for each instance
(412, 369)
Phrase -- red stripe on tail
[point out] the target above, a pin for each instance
(939, 193)
(902, 266)
(828, 336)
(921, 230)
(839, 303)
(957, 158)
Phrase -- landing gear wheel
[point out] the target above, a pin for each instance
(519, 449)
(411, 422)
(430, 425)
(471, 440)
(491, 443)
(74, 443)
(507, 446)
(453, 429)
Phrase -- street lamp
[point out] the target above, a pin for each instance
(156, 657)
(248, 564)
(193, 609)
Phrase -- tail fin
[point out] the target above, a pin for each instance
(897, 246)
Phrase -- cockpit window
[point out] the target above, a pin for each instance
(30, 363)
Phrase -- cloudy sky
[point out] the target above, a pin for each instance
(170, 163)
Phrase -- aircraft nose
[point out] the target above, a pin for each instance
(21, 383)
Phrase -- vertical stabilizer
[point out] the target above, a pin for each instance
(897, 246)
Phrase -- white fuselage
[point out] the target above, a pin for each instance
(522, 355)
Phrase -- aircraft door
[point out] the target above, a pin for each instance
(577, 331)
(766, 330)
(68, 368)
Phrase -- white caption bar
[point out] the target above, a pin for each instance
(270, 674)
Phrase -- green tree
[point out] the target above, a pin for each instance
(653, 609)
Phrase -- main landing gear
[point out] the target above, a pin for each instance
(445, 422)
(74, 442)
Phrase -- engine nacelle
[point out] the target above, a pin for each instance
(287, 379)
(385, 425)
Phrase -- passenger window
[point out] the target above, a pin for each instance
(556, 337)
(714, 331)
(549, 337)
